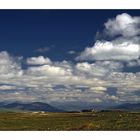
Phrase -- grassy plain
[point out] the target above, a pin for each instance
(70, 121)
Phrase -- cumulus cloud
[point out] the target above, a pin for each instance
(126, 47)
(48, 70)
(133, 63)
(40, 60)
(7, 87)
(124, 25)
(86, 69)
(9, 66)
(87, 82)
(111, 51)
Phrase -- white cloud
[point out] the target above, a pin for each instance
(111, 51)
(40, 60)
(48, 70)
(94, 69)
(98, 88)
(134, 63)
(126, 47)
(124, 25)
(84, 81)
(9, 66)
(7, 87)
(85, 67)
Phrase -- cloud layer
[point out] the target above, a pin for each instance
(66, 82)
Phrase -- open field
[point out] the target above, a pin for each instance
(70, 121)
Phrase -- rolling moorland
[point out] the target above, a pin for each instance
(35, 116)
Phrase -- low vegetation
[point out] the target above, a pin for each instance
(111, 120)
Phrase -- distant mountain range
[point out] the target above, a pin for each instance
(39, 106)
(35, 106)
(128, 106)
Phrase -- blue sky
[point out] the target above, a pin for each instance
(70, 56)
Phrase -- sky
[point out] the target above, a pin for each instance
(70, 57)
